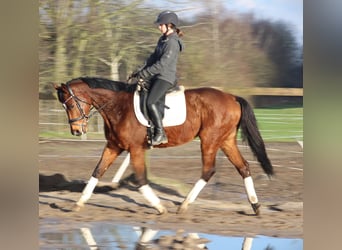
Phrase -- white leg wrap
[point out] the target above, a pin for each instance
(149, 195)
(88, 237)
(196, 190)
(121, 169)
(252, 197)
(247, 243)
(147, 234)
(88, 190)
(196, 237)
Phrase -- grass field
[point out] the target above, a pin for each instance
(275, 124)
(280, 124)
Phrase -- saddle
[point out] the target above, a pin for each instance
(172, 109)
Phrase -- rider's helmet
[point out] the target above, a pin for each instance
(167, 17)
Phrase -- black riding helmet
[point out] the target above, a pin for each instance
(167, 17)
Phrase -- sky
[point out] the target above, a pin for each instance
(288, 11)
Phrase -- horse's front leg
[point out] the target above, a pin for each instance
(109, 154)
(138, 163)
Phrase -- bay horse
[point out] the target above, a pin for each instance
(212, 115)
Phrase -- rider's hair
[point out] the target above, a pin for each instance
(179, 32)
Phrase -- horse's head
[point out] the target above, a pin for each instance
(77, 106)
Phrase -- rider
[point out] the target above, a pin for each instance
(160, 70)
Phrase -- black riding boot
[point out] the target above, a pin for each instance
(159, 136)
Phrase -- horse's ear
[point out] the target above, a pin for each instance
(57, 87)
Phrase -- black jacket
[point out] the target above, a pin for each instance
(162, 63)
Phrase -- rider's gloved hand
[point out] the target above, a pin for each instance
(144, 75)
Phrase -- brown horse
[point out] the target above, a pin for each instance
(212, 115)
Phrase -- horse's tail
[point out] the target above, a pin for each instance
(250, 131)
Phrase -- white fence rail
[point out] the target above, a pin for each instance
(53, 121)
(53, 118)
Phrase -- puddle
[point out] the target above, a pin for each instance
(107, 235)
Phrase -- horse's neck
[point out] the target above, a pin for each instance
(110, 104)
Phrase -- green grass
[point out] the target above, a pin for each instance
(281, 124)
(68, 135)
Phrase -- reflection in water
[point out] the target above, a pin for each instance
(146, 235)
(105, 235)
(180, 240)
(88, 236)
(247, 243)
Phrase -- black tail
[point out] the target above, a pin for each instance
(250, 131)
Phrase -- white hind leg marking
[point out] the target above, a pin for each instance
(252, 197)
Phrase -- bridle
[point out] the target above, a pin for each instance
(77, 100)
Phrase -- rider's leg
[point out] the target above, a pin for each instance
(157, 93)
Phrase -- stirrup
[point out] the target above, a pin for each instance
(161, 139)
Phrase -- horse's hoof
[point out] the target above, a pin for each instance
(161, 209)
(256, 209)
(76, 208)
(114, 185)
(163, 212)
(182, 209)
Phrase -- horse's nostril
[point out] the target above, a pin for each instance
(76, 132)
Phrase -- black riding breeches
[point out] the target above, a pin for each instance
(157, 92)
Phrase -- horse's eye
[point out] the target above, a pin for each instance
(66, 107)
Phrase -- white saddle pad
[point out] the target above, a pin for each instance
(173, 116)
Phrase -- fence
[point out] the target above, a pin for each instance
(53, 121)
(282, 125)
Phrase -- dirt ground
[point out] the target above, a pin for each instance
(221, 208)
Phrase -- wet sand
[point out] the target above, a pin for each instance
(221, 208)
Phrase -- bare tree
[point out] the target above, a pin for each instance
(111, 38)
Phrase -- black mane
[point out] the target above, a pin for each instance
(98, 82)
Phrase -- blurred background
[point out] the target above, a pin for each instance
(249, 48)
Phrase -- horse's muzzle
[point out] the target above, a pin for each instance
(76, 132)
(78, 129)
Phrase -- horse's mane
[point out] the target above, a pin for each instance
(98, 82)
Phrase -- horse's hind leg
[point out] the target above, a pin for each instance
(109, 154)
(208, 170)
(232, 152)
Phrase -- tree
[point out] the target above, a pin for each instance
(87, 37)
(239, 63)
(112, 38)
(277, 41)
